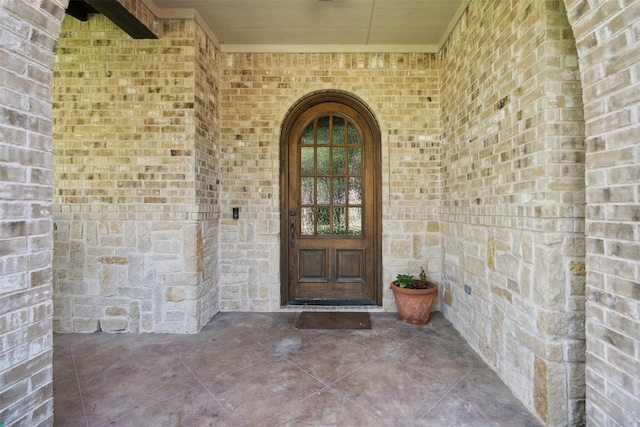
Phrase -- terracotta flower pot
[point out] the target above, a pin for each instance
(414, 305)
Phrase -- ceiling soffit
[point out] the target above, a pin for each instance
(319, 25)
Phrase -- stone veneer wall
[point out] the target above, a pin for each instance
(133, 167)
(513, 203)
(608, 41)
(28, 34)
(257, 89)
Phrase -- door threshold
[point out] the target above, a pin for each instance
(332, 303)
(301, 307)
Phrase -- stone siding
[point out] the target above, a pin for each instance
(28, 35)
(257, 90)
(608, 42)
(513, 199)
(132, 228)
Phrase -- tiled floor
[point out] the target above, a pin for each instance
(256, 369)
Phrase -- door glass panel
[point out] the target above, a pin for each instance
(338, 130)
(354, 136)
(323, 130)
(307, 135)
(338, 160)
(331, 178)
(355, 221)
(340, 221)
(355, 160)
(355, 190)
(307, 222)
(323, 190)
(323, 160)
(323, 221)
(308, 191)
(306, 160)
(338, 192)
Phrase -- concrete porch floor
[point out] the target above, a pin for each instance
(256, 369)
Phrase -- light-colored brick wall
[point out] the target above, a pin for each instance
(28, 34)
(207, 168)
(133, 163)
(257, 90)
(513, 199)
(608, 42)
(608, 48)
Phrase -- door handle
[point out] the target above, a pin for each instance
(292, 227)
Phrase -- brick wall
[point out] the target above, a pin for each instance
(608, 46)
(207, 169)
(133, 165)
(28, 34)
(608, 42)
(513, 199)
(257, 89)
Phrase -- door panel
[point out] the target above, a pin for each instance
(312, 264)
(331, 202)
(350, 265)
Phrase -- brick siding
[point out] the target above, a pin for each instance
(513, 199)
(608, 44)
(488, 173)
(257, 90)
(28, 34)
(135, 179)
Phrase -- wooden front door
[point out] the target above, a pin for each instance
(331, 207)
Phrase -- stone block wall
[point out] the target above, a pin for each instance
(513, 199)
(28, 34)
(257, 90)
(134, 169)
(608, 42)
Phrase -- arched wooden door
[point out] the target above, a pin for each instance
(331, 203)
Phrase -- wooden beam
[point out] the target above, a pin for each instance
(80, 10)
(124, 19)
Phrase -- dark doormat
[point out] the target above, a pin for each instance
(333, 320)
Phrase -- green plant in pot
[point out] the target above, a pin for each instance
(414, 297)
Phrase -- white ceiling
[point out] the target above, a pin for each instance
(317, 25)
